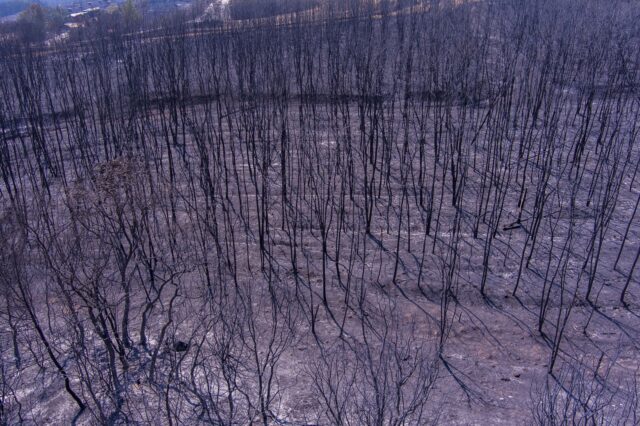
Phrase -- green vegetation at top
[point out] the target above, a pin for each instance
(34, 22)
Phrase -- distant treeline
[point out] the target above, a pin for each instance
(252, 9)
(11, 7)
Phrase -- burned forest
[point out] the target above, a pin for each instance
(324, 212)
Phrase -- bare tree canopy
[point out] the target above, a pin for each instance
(321, 212)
